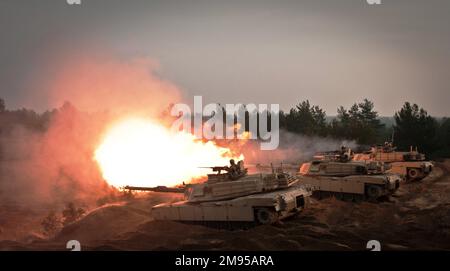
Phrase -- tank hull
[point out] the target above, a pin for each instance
(281, 204)
(351, 184)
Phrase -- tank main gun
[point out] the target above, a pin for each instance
(162, 189)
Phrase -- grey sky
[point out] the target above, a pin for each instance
(328, 51)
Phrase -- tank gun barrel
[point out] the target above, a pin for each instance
(162, 189)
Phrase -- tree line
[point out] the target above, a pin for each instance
(413, 126)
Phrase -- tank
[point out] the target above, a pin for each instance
(235, 196)
(410, 165)
(362, 180)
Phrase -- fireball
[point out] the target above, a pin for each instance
(141, 152)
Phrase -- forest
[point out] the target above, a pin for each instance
(411, 125)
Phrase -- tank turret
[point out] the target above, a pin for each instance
(234, 183)
(343, 155)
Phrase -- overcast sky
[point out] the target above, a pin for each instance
(328, 51)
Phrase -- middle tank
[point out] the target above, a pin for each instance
(334, 174)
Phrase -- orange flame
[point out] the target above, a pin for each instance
(141, 152)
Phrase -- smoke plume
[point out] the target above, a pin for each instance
(293, 149)
(54, 165)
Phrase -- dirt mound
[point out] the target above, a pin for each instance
(112, 221)
(105, 223)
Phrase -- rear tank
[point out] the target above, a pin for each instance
(235, 196)
(410, 165)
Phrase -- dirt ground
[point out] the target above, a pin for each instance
(417, 217)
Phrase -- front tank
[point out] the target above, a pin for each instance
(260, 198)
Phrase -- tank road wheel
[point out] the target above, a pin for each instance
(374, 192)
(413, 173)
(265, 216)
